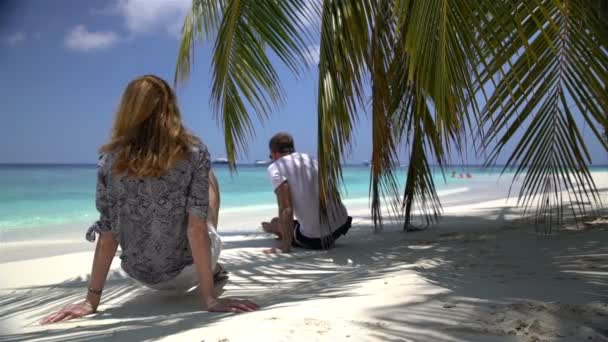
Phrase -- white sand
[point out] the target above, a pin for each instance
(482, 274)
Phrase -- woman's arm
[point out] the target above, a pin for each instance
(200, 245)
(197, 206)
(104, 254)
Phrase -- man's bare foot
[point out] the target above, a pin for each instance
(269, 228)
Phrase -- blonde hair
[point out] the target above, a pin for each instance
(148, 136)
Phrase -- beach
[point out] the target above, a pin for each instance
(468, 141)
(483, 273)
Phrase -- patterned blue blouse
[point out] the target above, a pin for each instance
(148, 216)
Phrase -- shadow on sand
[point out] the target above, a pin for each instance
(443, 256)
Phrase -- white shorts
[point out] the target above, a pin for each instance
(187, 279)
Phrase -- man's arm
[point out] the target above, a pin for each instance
(285, 216)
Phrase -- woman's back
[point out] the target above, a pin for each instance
(151, 174)
(149, 215)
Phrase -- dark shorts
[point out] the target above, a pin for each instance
(299, 240)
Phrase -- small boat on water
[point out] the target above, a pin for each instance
(261, 162)
(219, 161)
(366, 163)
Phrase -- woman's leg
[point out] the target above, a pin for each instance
(214, 200)
(220, 274)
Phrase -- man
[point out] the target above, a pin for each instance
(294, 179)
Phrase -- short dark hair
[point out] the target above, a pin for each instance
(281, 143)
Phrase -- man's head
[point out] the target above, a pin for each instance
(281, 144)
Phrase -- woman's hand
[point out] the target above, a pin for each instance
(231, 305)
(69, 312)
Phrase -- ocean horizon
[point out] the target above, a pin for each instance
(39, 195)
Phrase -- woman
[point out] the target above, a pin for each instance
(155, 201)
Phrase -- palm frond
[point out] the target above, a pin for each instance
(413, 125)
(345, 35)
(420, 131)
(244, 78)
(437, 72)
(547, 92)
(444, 50)
(200, 23)
(384, 186)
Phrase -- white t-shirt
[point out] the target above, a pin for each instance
(299, 170)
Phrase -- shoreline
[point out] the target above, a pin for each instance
(16, 234)
(480, 188)
(18, 243)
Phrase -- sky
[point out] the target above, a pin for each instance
(65, 63)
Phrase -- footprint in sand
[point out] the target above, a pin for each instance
(321, 326)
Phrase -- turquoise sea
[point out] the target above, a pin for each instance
(43, 195)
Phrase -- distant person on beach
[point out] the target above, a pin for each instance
(159, 201)
(293, 176)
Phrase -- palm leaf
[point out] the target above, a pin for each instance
(244, 78)
(547, 93)
(383, 182)
(200, 23)
(345, 32)
(420, 131)
(438, 70)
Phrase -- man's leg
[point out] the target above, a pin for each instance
(343, 229)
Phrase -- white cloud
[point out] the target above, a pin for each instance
(146, 16)
(80, 39)
(142, 16)
(312, 54)
(13, 39)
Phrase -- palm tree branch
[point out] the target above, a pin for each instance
(244, 77)
(564, 83)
